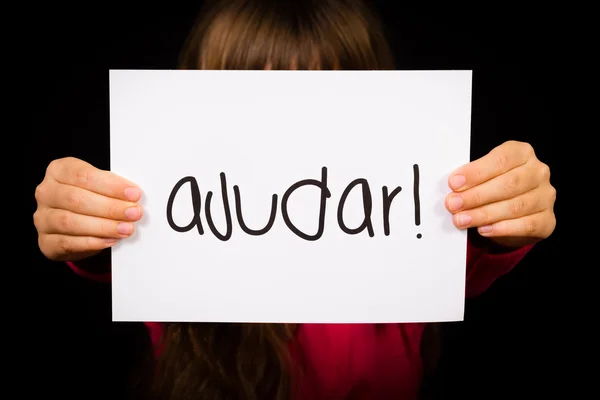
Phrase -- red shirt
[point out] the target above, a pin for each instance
(371, 361)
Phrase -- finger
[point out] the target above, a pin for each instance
(539, 226)
(85, 202)
(64, 222)
(500, 160)
(529, 203)
(75, 172)
(506, 186)
(72, 248)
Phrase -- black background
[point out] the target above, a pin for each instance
(506, 346)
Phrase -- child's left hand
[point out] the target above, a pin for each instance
(506, 195)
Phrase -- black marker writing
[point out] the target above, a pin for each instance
(417, 198)
(367, 200)
(387, 204)
(325, 194)
(196, 204)
(209, 219)
(238, 209)
(367, 204)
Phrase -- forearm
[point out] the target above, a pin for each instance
(487, 261)
(96, 267)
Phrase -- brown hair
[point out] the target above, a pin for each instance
(251, 361)
(290, 34)
(224, 361)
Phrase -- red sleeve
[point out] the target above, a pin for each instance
(98, 277)
(485, 265)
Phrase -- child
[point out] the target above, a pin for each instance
(506, 196)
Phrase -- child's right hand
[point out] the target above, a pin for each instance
(82, 210)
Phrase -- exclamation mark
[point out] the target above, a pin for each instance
(417, 199)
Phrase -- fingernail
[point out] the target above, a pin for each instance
(133, 213)
(485, 229)
(455, 203)
(125, 228)
(463, 220)
(133, 194)
(457, 181)
(110, 241)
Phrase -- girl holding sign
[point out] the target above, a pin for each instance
(506, 197)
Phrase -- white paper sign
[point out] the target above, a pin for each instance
(302, 157)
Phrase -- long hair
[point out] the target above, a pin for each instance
(252, 361)
(225, 361)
